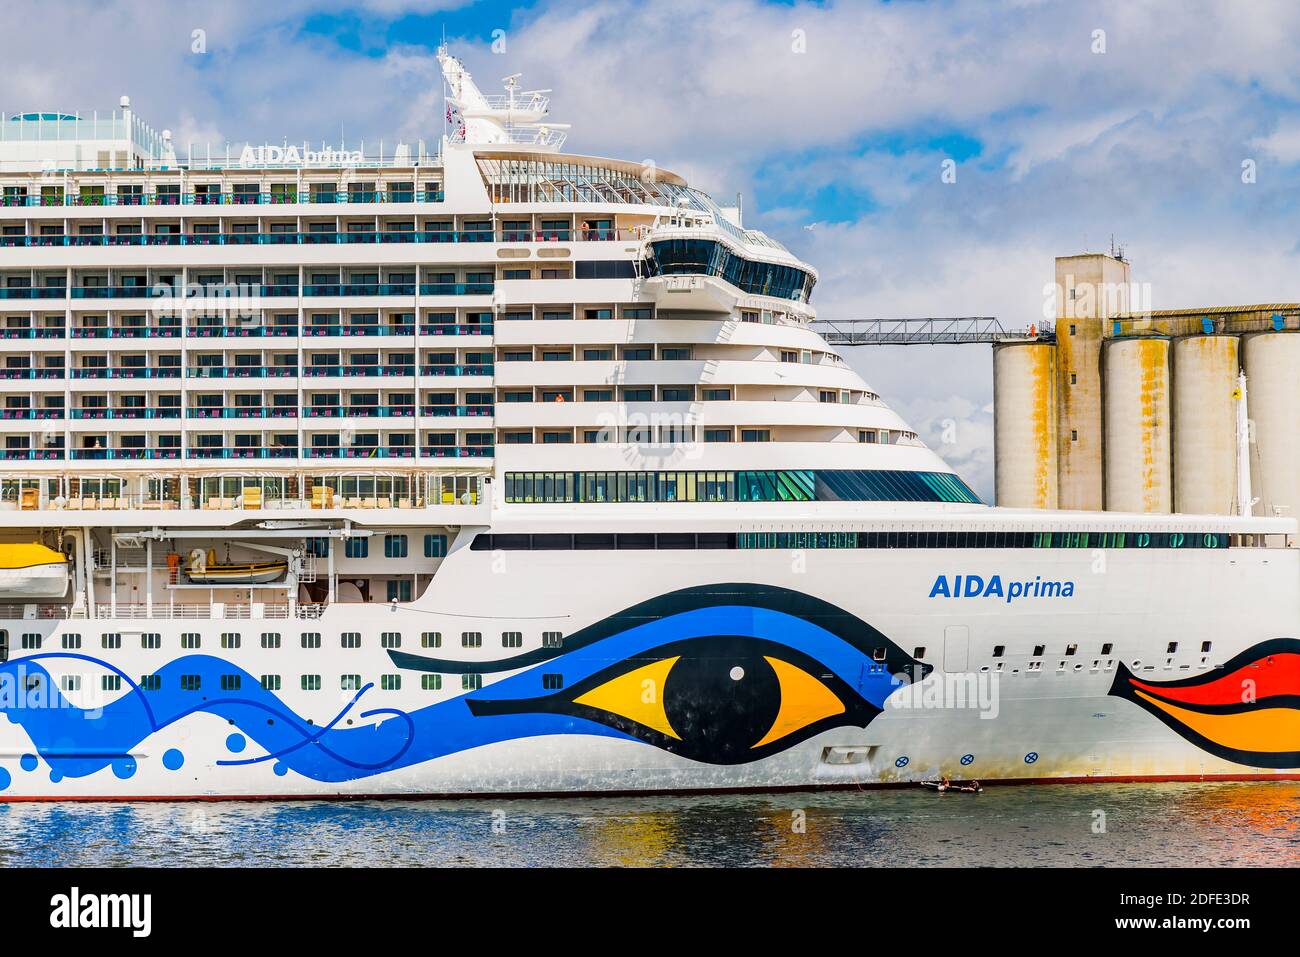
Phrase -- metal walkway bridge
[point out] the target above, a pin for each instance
(928, 331)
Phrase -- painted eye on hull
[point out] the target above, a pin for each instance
(720, 699)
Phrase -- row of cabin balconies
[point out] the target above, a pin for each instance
(217, 329)
(369, 233)
(218, 194)
(450, 287)
(206, 446)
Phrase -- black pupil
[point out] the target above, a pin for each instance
(716, 712)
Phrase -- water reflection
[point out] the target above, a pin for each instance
(1066, 825)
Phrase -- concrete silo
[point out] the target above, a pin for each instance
(1025, 424)
(1273, 383)
(1138, 426)
(1205, 424)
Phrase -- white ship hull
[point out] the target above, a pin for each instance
(1061, 720)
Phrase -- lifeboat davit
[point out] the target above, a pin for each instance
(32, 570)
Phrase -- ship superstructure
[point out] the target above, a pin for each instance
(490, 467)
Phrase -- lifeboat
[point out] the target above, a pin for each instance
(32, 570)
(206, 570)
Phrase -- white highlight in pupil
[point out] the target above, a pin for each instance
(737, 673)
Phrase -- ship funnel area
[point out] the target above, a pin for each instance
(513, 118)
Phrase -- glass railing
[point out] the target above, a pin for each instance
(275, 198)
(125, 332)
(366, 237)
(456, 370)
(359, 411)
(242, 453)
(319, 371)
(456, 329)
(241, 372)
(125, 454)
(371, 452)
(254, 412)
(31, 374)
(30, 414)
(128, 372)
(440, 411)
(27, 332)
(253, 332)
(456, 451)
(171, 412)
(31, 455)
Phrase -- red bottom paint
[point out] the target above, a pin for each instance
(679, 792)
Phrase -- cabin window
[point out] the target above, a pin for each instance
(350, 682)
(311, 682)
(311, 639)
(552, 639)
(270, 639)
(271, 682)
(107, 640)
(435, 546)
(1039, 650)
(190, 639)
(512, 639)
(390, 639)
(999, 650)
(1105, 649)
(552, 682)
(394, 546)
(67, 683)
(1071, 649)
(431, 682)
(431, 639)
(151, 682)
(230, 639)
(356, 547)
(1205, 647)
(471, 682)
(390, 682)
(151, 641)
(4, 645)
(190, 682)
(72, 640)
(230, 682)
(399, 590)
(351, 639)
(1172, 647)
(471, 639)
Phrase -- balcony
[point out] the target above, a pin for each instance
(33, 292)
(31, 373)
(448, 411)
(456, 329)
(455, 370)
(29, 332)
(456, 451)
(242, 453)
(31, 455)
(128, 372)
(244, 332)
(359, 411)
(323, 238)
(126, 413)
(241, 372)
(372, 452)
(125, 454)
(224, 199)
(29, 415)
(359, 329)
(256, 412)
(319, 371)
(126, 332)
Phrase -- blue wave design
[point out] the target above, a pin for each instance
(77, 742)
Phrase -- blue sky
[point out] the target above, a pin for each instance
(1068, 123)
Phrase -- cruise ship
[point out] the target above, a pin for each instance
(489, 468)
